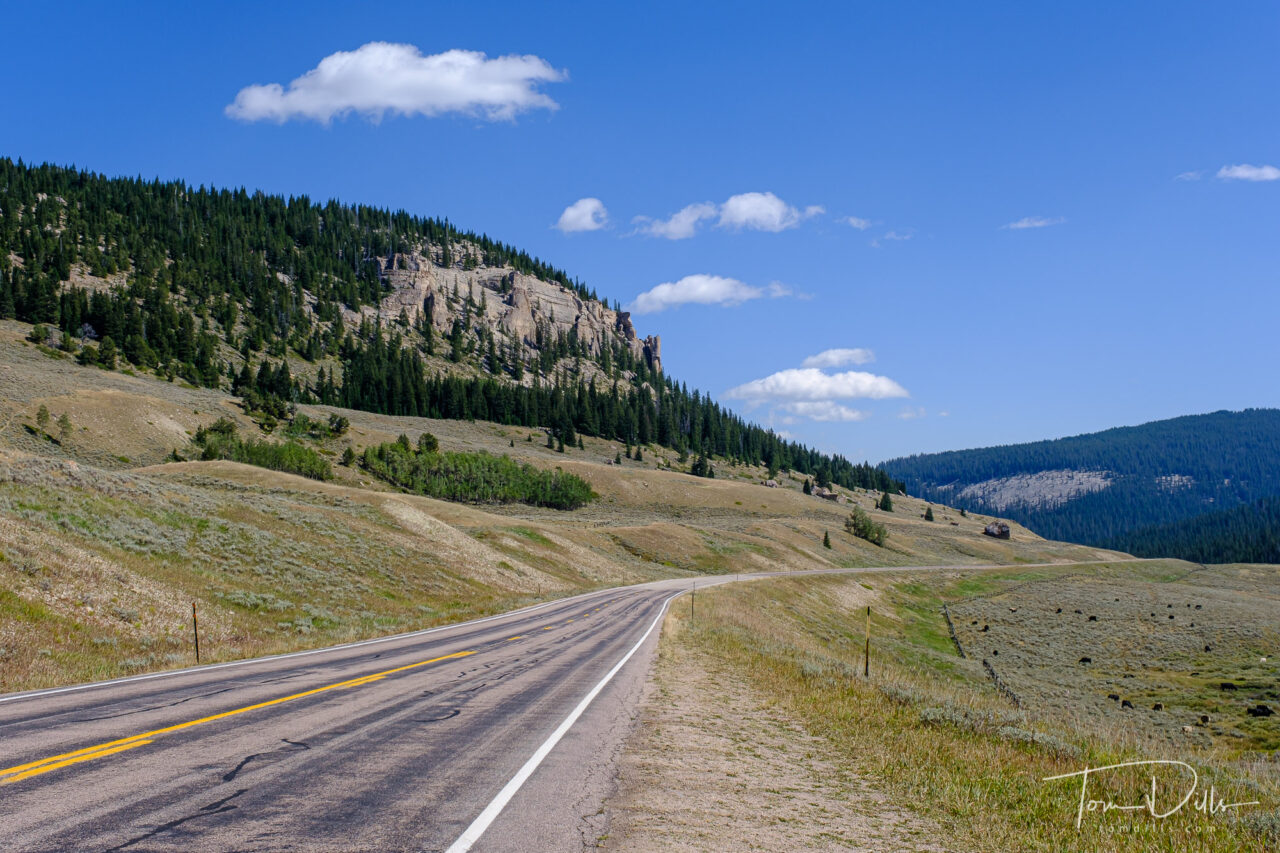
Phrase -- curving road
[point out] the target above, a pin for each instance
(498, 733)
(396, 744)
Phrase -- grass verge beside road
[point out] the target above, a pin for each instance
(929, 727)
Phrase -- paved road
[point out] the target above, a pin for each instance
(387, 745)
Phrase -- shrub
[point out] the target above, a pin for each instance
(860, 524)
(474, 477)
(221, 441)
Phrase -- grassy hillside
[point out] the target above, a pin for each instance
(104, 544)
(1099, 488)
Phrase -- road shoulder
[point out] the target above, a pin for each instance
(713, 764)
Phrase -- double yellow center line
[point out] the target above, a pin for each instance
(53, 762)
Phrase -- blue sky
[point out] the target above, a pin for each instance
(1148, 290)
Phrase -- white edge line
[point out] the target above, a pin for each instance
(491, 811)
(209, 667)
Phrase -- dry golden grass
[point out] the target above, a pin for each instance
(930, 730)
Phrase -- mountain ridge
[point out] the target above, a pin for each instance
(1097, 488)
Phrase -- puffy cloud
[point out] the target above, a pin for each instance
(750, 211)
(703, 289)
(682, 225)
(809, 384)
(763, 212)
(1035, 222)
(857, 222)
(381, 77)
(1245, 172)
(825, 411)
(585, 214)
(839, 358)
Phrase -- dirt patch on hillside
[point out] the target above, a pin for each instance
(714, 766)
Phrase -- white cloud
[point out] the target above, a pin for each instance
(682, 225)
(896, 236)
(857, 222)
(825, 411)
(1245, 172)
(381, 77)
(839, 358)
(910, 413)
(1034, 222)
(585, 214)
(749, 211)
(763, 212)
(703, 289)
(812, 385)
(1188, 176)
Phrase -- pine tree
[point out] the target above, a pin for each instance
(807, 488)
(826, 539)
(928, 514)
(886, 503)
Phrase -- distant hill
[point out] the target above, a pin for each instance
(1134, 486)
(1244, 534)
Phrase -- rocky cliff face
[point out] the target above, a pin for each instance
(510, 303)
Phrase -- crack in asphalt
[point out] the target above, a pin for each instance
(233, 773)
(151, 708)
(449, 716)
(217, 807)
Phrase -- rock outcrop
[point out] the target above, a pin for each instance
(510, 303)
(998, 529)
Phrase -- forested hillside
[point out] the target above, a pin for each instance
(1100, 488)
(1244, 534)
(287, 300)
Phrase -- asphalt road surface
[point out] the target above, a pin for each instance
(497, 734)
(396, 744)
